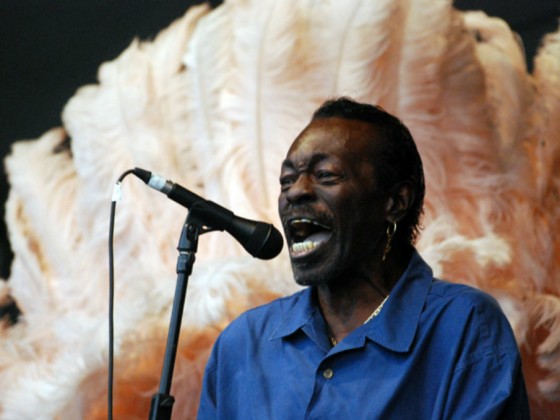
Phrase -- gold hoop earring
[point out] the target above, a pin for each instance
(391, 229)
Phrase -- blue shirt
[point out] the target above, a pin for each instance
(437, 350)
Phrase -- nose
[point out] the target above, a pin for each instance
(301, 190)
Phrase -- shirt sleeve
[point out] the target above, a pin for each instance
(488, 382)
(491, 388)
(207, 408)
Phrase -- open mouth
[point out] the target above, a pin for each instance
(306, 236)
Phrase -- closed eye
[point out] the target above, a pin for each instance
(286, 181)
(327, 177)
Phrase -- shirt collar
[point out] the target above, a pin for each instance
(394, 327)
(302, 312)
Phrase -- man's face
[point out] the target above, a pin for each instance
(333, 215)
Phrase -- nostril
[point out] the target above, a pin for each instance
(300, 191)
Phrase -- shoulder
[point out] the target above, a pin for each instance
(272, 310)
(451, 295)
(469, 314)
(261, 320)
(461, 297)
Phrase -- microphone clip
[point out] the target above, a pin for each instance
(197, 218)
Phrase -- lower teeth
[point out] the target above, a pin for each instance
(303, 246)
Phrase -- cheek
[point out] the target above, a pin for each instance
(363, 218)
(349, 206)
(281, 201)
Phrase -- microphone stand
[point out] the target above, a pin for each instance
(162, 402)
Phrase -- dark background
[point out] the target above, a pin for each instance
(50, 48)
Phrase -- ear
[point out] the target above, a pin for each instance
(399, 202)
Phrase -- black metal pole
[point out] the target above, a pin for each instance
(162, 402)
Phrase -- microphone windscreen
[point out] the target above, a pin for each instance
(272, 244)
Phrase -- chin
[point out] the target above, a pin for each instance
(307, 276)
(304, 280)
(304, 276)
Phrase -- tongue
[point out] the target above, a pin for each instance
(319, 236)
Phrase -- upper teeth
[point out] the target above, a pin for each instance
(303, 220)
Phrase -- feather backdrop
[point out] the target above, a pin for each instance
(214, 103)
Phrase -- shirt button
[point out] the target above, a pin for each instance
(328, 373)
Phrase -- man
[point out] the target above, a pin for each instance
(374, 335)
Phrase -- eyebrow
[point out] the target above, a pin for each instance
(317, 157)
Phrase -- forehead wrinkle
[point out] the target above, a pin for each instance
(305, 163)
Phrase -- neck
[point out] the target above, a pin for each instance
(347, 303)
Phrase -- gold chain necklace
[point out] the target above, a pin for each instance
(369, 318)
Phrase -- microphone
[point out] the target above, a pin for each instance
(260, 239)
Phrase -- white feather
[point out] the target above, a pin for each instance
(220, 124)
